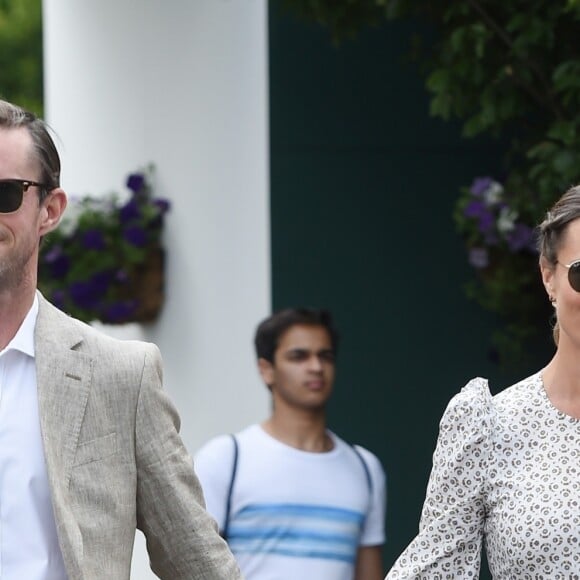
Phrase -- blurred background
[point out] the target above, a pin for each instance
(321, 154)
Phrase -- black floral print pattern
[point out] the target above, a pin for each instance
(506, 471)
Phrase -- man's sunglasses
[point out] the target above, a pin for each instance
(12, 191)
(573, 274)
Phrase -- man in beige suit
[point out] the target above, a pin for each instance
(89, 444)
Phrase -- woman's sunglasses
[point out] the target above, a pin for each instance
(12, 192)
(573, 274)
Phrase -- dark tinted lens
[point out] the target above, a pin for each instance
(574, 276)
(10, 196)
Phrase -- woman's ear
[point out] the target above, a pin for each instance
(52, 209)
(547, 270)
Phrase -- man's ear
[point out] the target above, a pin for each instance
(52, 209)
(266, 369)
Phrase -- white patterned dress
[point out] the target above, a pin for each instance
(506, 470)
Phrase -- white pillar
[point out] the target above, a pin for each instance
(182, 84)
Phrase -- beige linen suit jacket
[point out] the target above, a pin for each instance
(115, 460)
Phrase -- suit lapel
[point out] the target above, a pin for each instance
(63, 376)
(63, 380)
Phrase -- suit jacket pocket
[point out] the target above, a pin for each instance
(96, 449)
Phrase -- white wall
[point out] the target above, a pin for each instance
(182, 84)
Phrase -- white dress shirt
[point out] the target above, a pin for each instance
(28, 542)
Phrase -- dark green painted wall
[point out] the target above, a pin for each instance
(363, 183)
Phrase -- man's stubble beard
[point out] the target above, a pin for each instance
(13, 270)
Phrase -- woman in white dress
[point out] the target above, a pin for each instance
(506, 470)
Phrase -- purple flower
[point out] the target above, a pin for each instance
(60, 266)
(130, 211)
(135, 236)
(120, 311)
(478, 258)
(102, 280)
(58, 262)
(478, 210)
(474, 209)
(57, 298)
(87, 294)
(93, 240)
(121, 276)
(162, 204)
(135, 182)
(520, 237)
(479, 185)
(486, 222)
(53, 254)
(84, 294)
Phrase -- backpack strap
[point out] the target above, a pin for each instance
(231, 488)
(365, 467)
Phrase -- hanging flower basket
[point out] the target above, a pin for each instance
(501, 247)
(143, 290)
(105, 262)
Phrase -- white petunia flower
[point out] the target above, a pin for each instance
(493, 194)
(506, 220)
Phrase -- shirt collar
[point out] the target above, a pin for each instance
(23, 340)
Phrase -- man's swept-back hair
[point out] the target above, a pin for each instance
(272, 328)
(44, 149)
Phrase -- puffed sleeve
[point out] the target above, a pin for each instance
(451, 530)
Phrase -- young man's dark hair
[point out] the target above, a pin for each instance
(272, 328)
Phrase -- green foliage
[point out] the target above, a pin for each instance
(504, 69)
(343, 17)
(502, 249)
(21, 79)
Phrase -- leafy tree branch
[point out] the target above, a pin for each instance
(509, 69)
